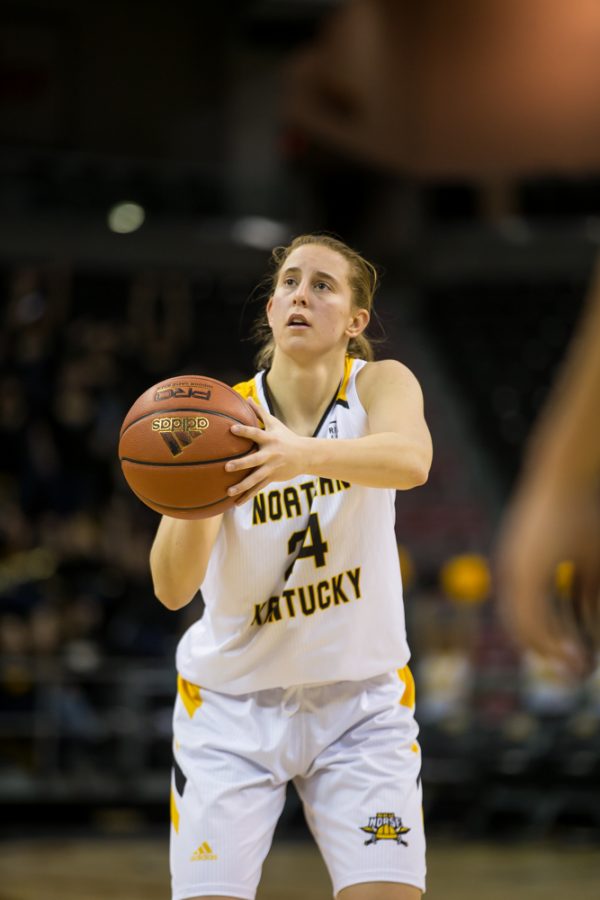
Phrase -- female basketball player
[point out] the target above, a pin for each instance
(297, 670)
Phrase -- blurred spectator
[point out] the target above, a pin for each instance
(445, 678)
(17, 690)
(444, 671)
(548, 687)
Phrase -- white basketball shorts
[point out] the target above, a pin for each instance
(350, 749)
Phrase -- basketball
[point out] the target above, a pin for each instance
(175, 441)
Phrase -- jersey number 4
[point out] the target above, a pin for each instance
(311, 543)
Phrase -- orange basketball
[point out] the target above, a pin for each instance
(175, 441)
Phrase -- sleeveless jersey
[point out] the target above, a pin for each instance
(303, 584)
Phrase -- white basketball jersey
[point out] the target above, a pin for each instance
(303, 584)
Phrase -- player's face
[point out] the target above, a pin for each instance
(311, 309)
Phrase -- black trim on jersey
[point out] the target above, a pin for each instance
(340, 402)
(267, 393)
(179, 778)
(334, 401)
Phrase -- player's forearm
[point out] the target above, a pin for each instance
(179, 557)
(573, 456)
(566, 443)
(385, 460)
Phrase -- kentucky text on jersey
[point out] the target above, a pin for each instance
(270, 506)
(309, 599)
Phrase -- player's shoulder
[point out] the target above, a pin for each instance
(384, 374)
(247, 389)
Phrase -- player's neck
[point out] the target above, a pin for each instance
(301, 392)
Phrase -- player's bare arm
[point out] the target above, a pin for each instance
(179, 557)
(396, 454)
(554, 514)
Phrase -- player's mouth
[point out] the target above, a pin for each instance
(297, 320)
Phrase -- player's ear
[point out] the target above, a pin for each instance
(269, 307)
(358, 323)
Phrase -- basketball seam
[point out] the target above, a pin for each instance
(170, 465)
(185, 409)
(183, 508)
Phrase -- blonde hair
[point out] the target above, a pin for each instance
(363, 284)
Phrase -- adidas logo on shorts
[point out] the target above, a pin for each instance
(204, 851)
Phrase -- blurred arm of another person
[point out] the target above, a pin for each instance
(554, 512)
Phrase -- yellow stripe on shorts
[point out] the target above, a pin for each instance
(190, 695)
(408, 697)
(174, 813)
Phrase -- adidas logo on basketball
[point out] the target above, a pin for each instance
(178, 432)
(204, 851)
(180, 423)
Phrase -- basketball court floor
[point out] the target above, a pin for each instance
(132, 869)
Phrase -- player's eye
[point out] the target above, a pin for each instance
(322, 286)
(289, 281)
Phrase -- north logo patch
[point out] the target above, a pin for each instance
(385, 826)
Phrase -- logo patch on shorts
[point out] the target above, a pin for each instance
(204, 851)
(385, 826)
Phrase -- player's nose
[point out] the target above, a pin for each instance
(299, 298)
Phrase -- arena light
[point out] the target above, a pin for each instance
(125, 217)
(259, 232)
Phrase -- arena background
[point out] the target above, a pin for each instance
(150, 156)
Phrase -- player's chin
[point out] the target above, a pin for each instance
(296, 337)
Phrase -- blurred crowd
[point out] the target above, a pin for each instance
(74, 542)
(76, 603)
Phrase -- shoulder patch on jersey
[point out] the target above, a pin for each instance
(341, 398)
(247, 389)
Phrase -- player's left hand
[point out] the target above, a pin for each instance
(281, 455)
(542, 528)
